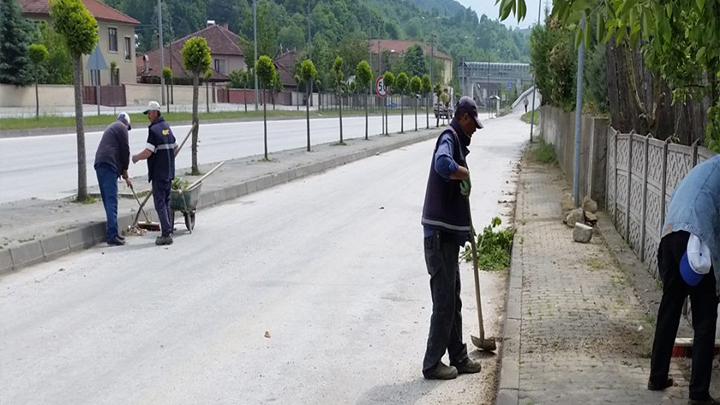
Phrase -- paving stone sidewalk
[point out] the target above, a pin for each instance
(577, 330)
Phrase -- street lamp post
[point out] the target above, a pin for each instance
(532, 113)
(256, 51)
(162, 52)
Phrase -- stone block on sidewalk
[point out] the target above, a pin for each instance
(576, 215)
(582, 233)
(590, 205)
(567, 203)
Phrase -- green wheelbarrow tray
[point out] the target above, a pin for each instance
(185, 201)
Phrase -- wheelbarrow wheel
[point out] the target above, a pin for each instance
(189, 221)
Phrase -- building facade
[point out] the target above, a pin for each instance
(116, 40)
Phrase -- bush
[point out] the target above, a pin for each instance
(545, 152)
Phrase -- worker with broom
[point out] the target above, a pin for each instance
(447, 226)
(160, 154)
(689, 264)
(112, 159)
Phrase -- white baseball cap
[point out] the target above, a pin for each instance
(152, 106)
(696, 262)
(125, 117)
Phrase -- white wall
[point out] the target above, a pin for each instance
(50, 95)
(142, 94)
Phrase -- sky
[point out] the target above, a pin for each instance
(489, 8)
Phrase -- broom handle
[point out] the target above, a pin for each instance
(137, 216)
(185, 140)
(198, 181)
(473, 248)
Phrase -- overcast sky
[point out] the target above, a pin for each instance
(489, 8)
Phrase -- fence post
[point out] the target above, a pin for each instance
(644, 200)
(629, 185)
(615, 166)
(664, 184)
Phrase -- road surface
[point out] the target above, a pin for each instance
(45, 167)
(313, 292)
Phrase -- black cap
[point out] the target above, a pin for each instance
(468, 105)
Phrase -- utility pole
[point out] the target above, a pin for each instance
(256, 53)
(162, 52)
(578, 117)
(432, 62)
(310, 93)
(532, 114)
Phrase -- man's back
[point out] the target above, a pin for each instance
(114, 147)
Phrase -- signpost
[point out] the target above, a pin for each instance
(510, 85)
(380, 88)
(96, 63)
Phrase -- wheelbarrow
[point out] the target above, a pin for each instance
(186, 200)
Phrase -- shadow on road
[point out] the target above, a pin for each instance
(406, 393)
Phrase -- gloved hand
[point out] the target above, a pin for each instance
(466, 187)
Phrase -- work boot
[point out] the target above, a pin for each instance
(116, 242)
(660, 387)
(468, 367)
(443, 372)
(708, 401)
(164, 240)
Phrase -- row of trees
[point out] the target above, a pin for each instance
(656, 65)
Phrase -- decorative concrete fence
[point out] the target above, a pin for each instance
(642, 173)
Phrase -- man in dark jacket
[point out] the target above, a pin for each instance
(446, 222)
(111, 162)
(160, 154)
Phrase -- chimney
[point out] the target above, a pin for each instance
(210, 23)
(225, 26)
(145, 63)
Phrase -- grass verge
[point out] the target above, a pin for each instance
(526, 117)
(53, 121)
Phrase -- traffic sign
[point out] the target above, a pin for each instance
(380, 88)
(510, 85)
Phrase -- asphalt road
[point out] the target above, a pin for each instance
(313, 292)
(45, 167)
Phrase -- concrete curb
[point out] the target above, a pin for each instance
(89, 235)
(508, 388)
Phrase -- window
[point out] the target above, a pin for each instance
(115, 77)
(128, 51)
(112, 40)
(220, 65)
(95, 77)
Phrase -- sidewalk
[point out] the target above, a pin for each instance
(35, 230)
(580, 318)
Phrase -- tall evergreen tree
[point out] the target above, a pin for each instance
(15, 65)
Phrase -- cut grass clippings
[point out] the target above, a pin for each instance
(493, 247)
(53, 121)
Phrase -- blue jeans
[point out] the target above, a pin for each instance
(107, 179)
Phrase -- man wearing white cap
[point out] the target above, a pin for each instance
(160, 154)
(689, 263)
(111, 161)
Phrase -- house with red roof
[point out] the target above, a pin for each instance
(116, 32)
(225, 49)
(395, 49)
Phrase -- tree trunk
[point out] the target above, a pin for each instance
(416, 108)
(387, 130)
(402, 114)
(207, 95)
(196, 84)
(167, 91)
(244, 98)
(265, 126)
(37, 100)
(80, 128)
(340, 112)
(307, 115)
(427, 111)
(366, 119)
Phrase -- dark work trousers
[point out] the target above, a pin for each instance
(441, 258)
(161, 197)
(703, 302)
